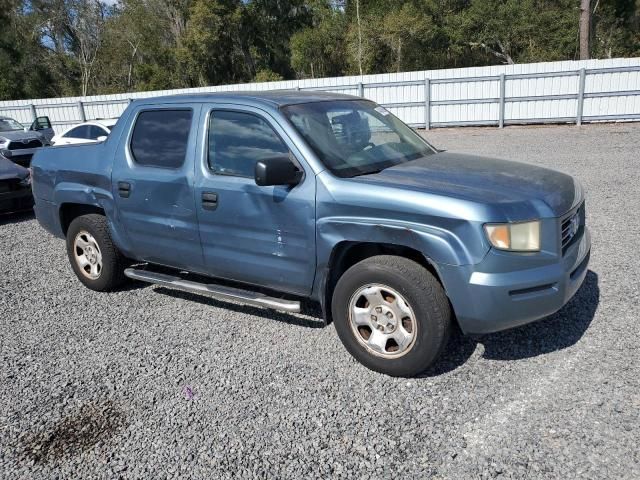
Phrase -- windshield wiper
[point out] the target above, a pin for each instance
(369, 172)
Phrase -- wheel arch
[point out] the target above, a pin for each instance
(347, 253)
(69, 211)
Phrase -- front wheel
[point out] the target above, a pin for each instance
(391, 314)
(96, 261)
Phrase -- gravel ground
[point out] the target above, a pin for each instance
(151, 383)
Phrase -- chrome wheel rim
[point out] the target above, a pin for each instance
(382, 321)
(87, 255)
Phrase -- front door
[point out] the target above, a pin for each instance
(42, 125)
(259, 235)
(152, 182)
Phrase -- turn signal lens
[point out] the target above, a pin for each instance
(498, 235)
(517, 237)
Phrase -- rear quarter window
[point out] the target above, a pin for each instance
(160, 137)
(79, 132)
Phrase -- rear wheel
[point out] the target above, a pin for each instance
(96, 261)
(391, 314)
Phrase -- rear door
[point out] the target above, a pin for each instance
(153, 185)
(259, 235)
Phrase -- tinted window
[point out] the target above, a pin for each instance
(238, 140)
(79, 132)
(95, 132)
(160, 138)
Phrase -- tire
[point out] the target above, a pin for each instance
(101, 266)
(382, 287)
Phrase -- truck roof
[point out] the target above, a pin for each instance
(273, 98)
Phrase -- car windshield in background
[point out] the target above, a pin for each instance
(9, 125)
(356, 137)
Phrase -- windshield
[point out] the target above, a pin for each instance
(356, 137)
(9, 124)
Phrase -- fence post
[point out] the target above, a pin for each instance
(502, 93)
(427, 104)
(83, 117)
(581, 82)
(34, 114)
(360, 90)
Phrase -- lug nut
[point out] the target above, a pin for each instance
(379, 309)
(389, 325)
(389, 315)
(381, 328)
(374, 318)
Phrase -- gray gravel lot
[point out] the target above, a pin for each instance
(151, 383)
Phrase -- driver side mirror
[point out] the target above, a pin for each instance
(277, 171)
(41, 123)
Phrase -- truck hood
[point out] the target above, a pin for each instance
(9, 170)
(483, 180)
(17, 135)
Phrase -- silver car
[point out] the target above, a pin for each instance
(19, 143)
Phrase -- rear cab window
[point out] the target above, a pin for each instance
(160, 137)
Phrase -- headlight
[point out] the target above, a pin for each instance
(26, 181)
(517, 237)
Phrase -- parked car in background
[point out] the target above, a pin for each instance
(88, 132)
(321, 196)
(18, 143)
(15, 187)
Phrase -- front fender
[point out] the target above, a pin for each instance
(439, 245)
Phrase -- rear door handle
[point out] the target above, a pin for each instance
(124, 189)
(209, 200)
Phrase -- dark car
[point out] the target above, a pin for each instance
(15, 187)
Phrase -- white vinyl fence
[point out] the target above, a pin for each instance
(551, 92)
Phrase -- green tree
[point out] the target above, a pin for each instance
(508, 31)
(209, 52)
(318, 50)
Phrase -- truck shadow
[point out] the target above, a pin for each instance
(309, 317)
(18, 217)
(556, 332)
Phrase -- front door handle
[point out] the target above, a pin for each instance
(124, 189)
(209, 200)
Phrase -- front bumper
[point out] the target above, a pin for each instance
(16, 201)
(489, 302)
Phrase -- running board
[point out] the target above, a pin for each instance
(218, 291)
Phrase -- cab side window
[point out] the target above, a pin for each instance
(237, 140)
(160, 137)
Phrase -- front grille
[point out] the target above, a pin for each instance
(20, 145)
(12, 185)
(572, 227)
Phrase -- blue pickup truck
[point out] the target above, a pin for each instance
(281, 196)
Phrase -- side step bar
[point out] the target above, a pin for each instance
(218, 291)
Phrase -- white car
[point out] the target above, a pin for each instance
(87, 132)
